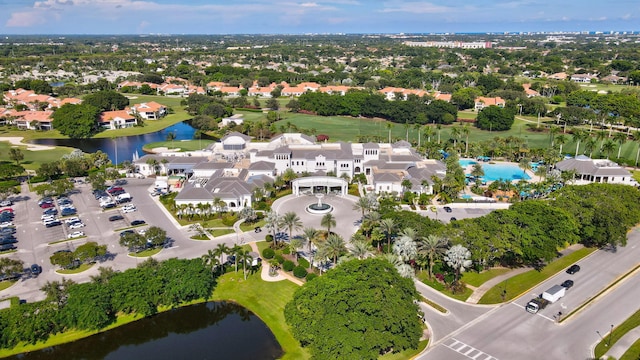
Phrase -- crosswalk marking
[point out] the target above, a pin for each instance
(466, 350)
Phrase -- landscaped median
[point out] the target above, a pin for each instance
(604, 345)
(519, 284)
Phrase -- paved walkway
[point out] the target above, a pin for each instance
(621, 346)
(482, 289)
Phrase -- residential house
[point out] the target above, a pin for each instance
(117, 119)
(482, 102)
(583, 78)
(32, 120)
(149, 110)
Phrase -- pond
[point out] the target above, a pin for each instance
(126, 145)
(215, 330)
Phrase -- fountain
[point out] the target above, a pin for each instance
(319, 207)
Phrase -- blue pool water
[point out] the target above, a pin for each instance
(466, 162)
(466, 196)
(494, 172)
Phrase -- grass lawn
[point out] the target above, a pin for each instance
(424, 277)
(77, 270)
(618, 332)
(213, 223)
(476, 279)
(220, 232)
(199, 237)
(6, 284)
(183, 145)
(407, 354)
(149, 125)
(267, 301)
(521, 283)
(146, 253)
(252, 226)
(262, 245)
(434, 305)
(636, 175)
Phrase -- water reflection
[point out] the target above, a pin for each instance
(126, 145)
(215, 330)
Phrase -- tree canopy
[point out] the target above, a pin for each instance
(359, 310)
(106, 100)
(77, 121)
(494, 118)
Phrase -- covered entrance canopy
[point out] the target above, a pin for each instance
(320, 184)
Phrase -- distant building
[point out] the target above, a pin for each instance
(596, 171)
(451, 44)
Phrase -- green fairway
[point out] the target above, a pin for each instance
(33, 159)
(184, 145)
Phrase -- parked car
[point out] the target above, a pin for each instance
(126, 232)
(7, 231)
(116, 217)
(46, 199)
(7, 210)
(47, 205)
(75, 234)
(51, 211)
(138, 222)
(68, 211)
(6, 224)
(54, 223)
(76, 225)
(447, 209)
(573, 269)
(109, 205)
(7, 247)
(6, 203)
(71, 220)
(128, 208)
(113, 189)
(4, 241)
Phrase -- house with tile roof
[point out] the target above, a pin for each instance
(32, 120)
(149, 110)
(118, 119)
(483, 102)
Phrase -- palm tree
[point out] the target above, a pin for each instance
(328, 221)
(333, 247)
(362, 205)
(220, 250)
(477, 171)
(590, 145)
(360, 249)
(295, 244)
(455, 134)
(459, 258)
(405, 247)
(432, 247)
(291, 221)
(245, 258)
(561, 140)
(601, 136)
(418, 128)
(439, 128)
(153, 164)
(272, 222)
(608, 146)
(428, 132)
(553, 130)
(579, 135)
(466, 131)
(620, 138)
(235, 250)
(636, 137)
(310, 235)
(389, 126)
(525, 164)
(387, 226)
(210, 260)
(541, 172)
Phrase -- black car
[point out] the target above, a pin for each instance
(122, 234)
(567, 284)
(453, 219)
(116, 217)
(7, 231)
(447, 209)
(5, 241)
(138, 222)
(7, 247)
(50, 211)
(36, 269)
(54, 223)
(573, 269)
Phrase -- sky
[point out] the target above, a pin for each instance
(314, 16)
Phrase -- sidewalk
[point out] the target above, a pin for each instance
(265, 270)
(623, 344)
(482, 289)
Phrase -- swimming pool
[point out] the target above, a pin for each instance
(466, 162)
(494, 172)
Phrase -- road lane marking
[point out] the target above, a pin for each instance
(538, 313)
(458, 346)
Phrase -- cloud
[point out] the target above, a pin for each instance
(26, 19)
(415, 7)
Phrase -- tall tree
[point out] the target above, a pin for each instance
(459, 258)
(16, 155)
(432, 247)
(328, 221)
(76, 121)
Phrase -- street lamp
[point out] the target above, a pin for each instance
(601, 338)
(610, 334)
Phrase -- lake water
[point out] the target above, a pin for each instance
(215, 330)
(126, 145)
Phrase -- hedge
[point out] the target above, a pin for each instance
(299, 272)
(268, 253)
(288, 265)
(311, 276)
(279, 258)
(303, 262)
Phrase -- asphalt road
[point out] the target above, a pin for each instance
(509, 332)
